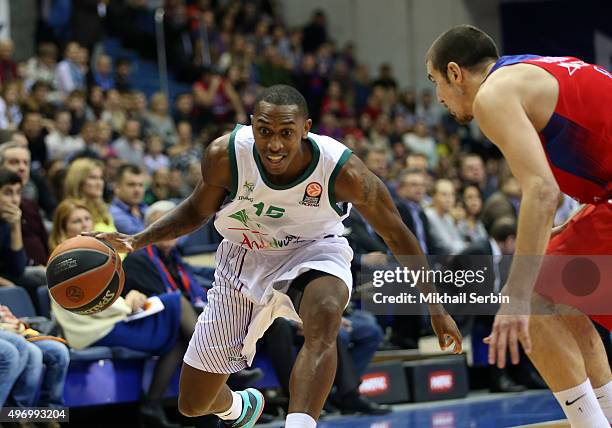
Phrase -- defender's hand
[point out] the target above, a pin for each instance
(121, 242)
(508, 330)
(447, 331)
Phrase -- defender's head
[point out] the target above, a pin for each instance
(280, 123)
(456, 62)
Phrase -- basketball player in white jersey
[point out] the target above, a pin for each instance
(288, 192)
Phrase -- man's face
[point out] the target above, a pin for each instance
(412, 187)
(185, 104)
(130, 189)
(72, 52)
(377, 163)
(279, 131)
(40, 93)
(451, 94)
(18, 160)
(184, 131)
(473, 170)
(10, 194)
(417, 162)
(103, 132)
(63, 122)
(104, 65)
(161, 178)
(132, 130)
(444, 198)
(32, 125)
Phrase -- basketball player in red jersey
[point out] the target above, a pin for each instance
(552, 119)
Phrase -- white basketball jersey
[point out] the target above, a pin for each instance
(267, 216)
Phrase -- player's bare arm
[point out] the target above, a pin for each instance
(358, 185)
(194, 211)
(501, 115)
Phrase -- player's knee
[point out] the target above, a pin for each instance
(329, 313)
(321, 328)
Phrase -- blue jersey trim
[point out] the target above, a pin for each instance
(511, 60)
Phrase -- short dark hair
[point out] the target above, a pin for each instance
(466, 186)
(128, 167)
(503, 228)
(283, 95)
(8, 177)
(466, 45)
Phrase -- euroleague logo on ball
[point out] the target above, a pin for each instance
(74, 293)
(312, 194)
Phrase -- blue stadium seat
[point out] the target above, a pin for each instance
(44, 301)
(18, 301)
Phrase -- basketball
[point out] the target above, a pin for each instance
(84, 275)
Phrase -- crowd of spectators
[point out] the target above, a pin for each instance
(86, 149)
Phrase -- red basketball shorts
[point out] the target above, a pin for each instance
(588, 234)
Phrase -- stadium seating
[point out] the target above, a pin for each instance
(96, 375)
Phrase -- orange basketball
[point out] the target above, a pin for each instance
(84, 275)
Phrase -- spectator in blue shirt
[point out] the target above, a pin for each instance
(12, 253)
(102, 75)
(128, 208)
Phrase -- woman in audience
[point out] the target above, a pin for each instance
(85, 181)
(164, 333)
(470, 227)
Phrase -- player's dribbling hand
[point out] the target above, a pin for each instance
(447, 331)
(508, 330)
(119, 241)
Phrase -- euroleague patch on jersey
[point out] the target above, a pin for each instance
(312, 194)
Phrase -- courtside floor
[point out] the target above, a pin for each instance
(477, 411)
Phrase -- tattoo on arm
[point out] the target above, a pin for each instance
(368, 187)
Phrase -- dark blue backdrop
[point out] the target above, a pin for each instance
(556, 28)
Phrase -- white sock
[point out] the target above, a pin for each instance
(235, 409)
(604, 398)
(581, 408)
(300, 420)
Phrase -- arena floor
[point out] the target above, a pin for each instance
(477, 411)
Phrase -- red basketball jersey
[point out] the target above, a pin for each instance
(578, 137)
